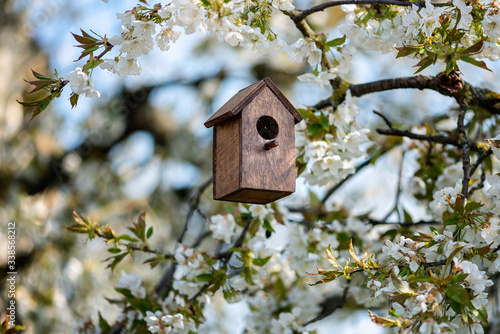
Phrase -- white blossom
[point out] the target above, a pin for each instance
(491, 25)
(321, 79)
(222, 227)
(465, 14)
(128, 66)
(304, 48)
(166, 36)
(132, 282)
(81, 83)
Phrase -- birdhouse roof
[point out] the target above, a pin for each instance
(243, 97)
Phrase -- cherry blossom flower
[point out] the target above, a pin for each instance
(81, 83)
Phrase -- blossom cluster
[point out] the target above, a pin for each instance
(332, 157)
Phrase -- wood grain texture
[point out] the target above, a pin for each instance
(274, 169)
(226, 157)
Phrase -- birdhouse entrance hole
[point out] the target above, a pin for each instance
(267, 127)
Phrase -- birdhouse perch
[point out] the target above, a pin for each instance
(254, 145)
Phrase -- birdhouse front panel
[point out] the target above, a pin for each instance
(265, 121)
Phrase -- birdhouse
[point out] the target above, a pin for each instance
(254, 145)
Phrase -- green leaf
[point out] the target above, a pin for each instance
(478, 63)
(313, 199)
(406, 51)
(424, 63)
(116, 259)
(304, 113)
(267, 225)
(114, 250)
(125, 292)
(313, 118)
(103, 324)
(472, 206)
(331, 257)
(354, 256)
(452, 255)
(40, 76)
(85, 38)
(73, 99)
(458, 278)
(407, 216)
(261, 261)
(459, 294)
(336, 42)
(149, 232)
(384, 322)
(207, 277)
(481, 314)
(434, 230)
(473, 49)
(139, 228)
(488, 163)
(421, 279)
(459, 205)
(325, 123)
(127, 238)
(452, 221)
(401, 287)
(316, 131)
(37, 106)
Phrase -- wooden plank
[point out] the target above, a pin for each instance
(274, 169)
(226, 157)
(235, 104)
(245, 96)
(255, 196)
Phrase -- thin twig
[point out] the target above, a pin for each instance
(403, 223)
(386, 120)
(398, 192)
(481, 181)
(464, 142)
(435, 263)
(439, 139)
(193, 207)
(365, 163)
(330, 310)
(165, 284)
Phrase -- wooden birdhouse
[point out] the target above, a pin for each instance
(254, 145)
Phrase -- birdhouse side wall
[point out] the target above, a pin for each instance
(226, 157)
(270, 170)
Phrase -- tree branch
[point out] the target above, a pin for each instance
(435, 264)
(451, 86)
(440, 139)
(302, 14)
